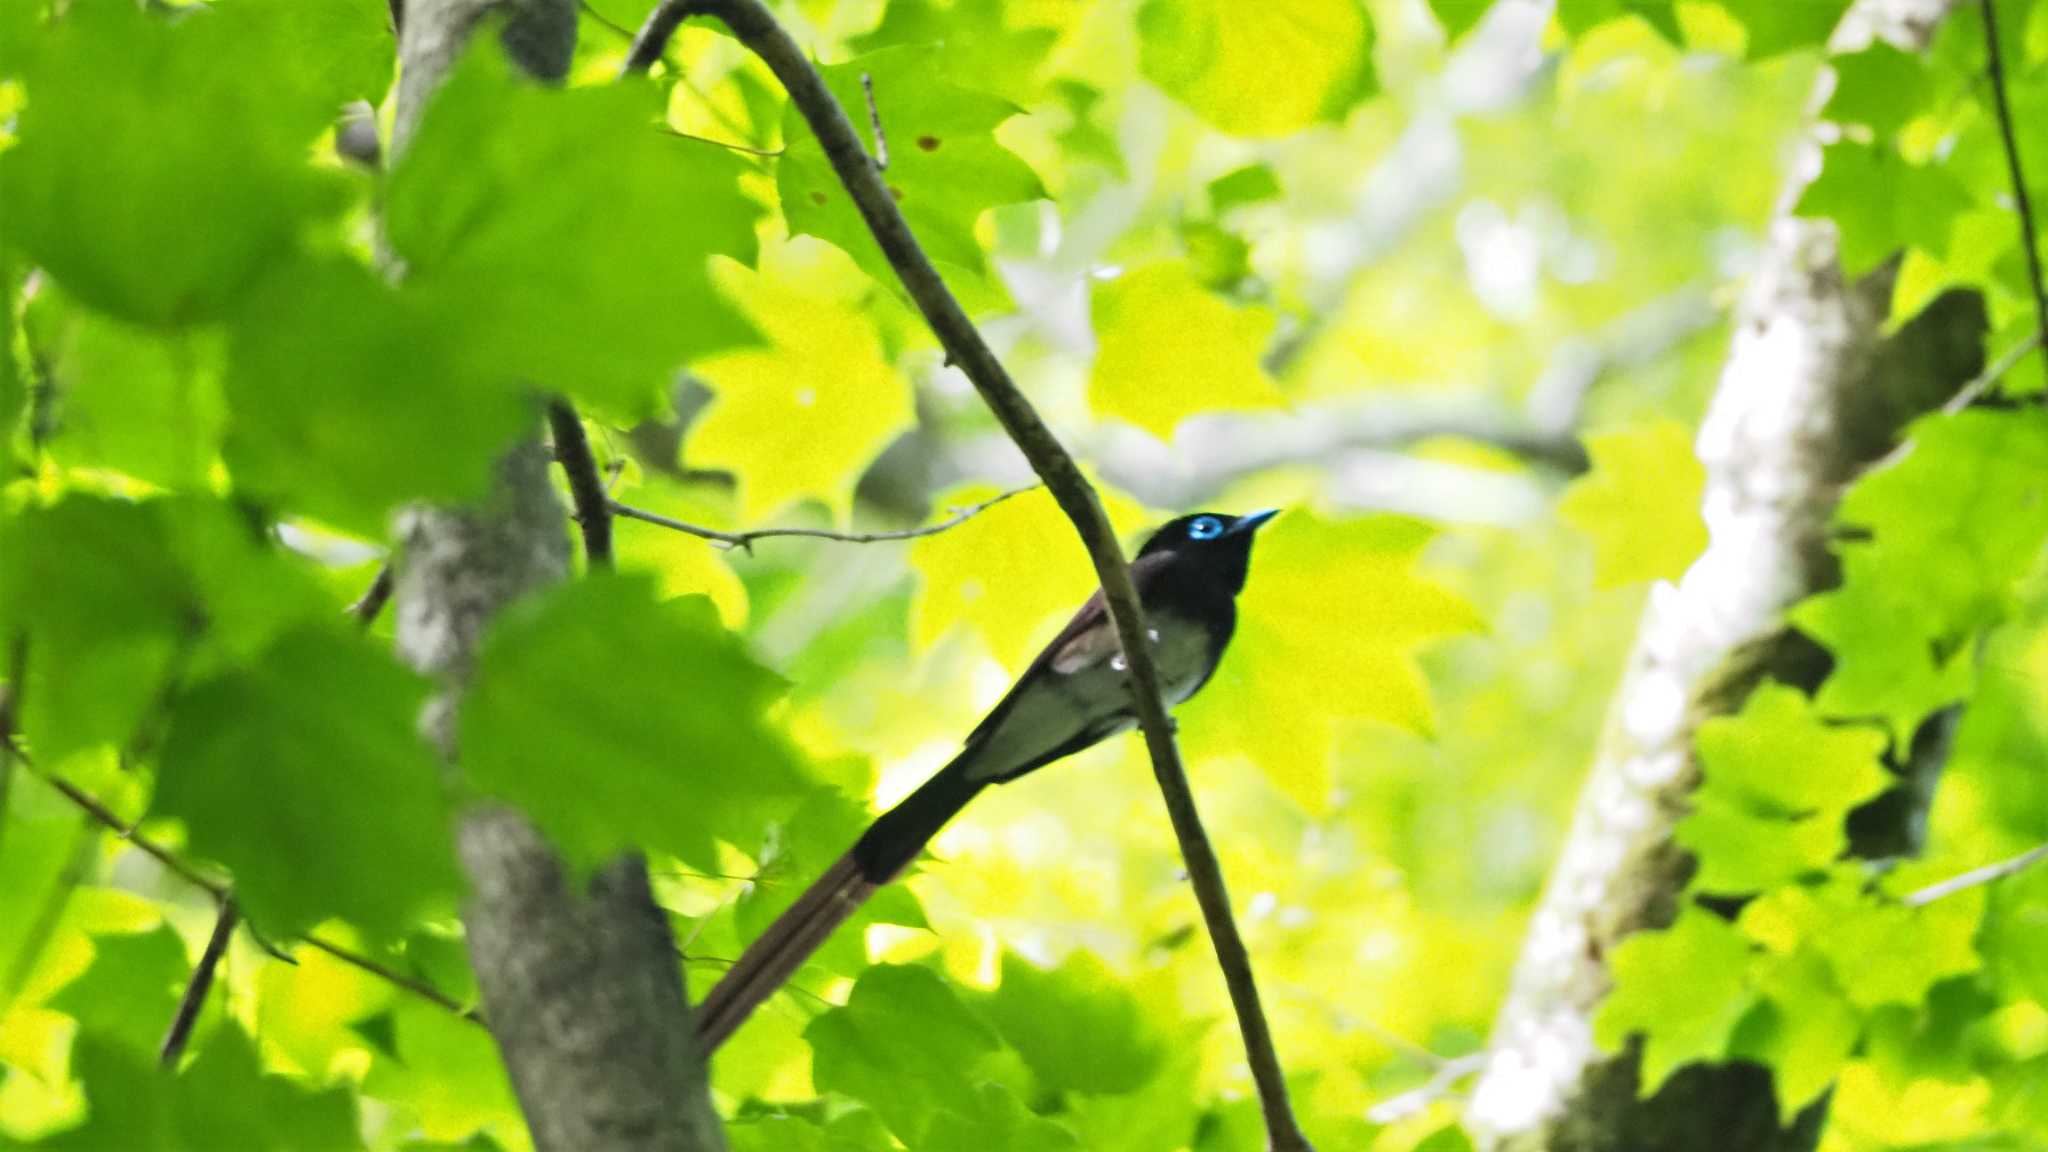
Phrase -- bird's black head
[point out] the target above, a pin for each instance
(1210, 545)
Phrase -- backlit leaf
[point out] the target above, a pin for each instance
(1640, 504)
(1169, 349)
(1258, 69)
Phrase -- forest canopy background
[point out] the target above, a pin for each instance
(1452, 283)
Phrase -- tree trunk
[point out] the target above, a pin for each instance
(1810, 394)
(583, 992)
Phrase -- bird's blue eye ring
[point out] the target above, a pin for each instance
(1204, 528)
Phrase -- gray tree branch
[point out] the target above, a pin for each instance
(1810, 393)
(581, 989)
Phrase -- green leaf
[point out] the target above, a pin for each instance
(945, 166)
(820, 831)
(1168, 349)
(1578, 17)
(348, 402)
(129, 994)
(980, 46)
(1782, 758)
(1305, 573)
(1742, 850)
(135, 401)
(1881, 952)
(1457, 17)
(1076, 1029)
(1258, 69)
(222, 1100)
(447, 1077)
(1961, 516)
(1881, 86)
(305, 774)
(904, 1045)
(562, 238)
(1881, 203)
(156, 189)
(1887, 661)
(1159, 1117)
(1011, 574)
(1684, 989)
(804, 416)
(2015, 937)
(999, 1123)
(1801, 1029)
(1776, 26)
(96, 586)
(1640, 504)
(672, 755)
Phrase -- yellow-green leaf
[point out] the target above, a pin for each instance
(803, 416)
(1170, 349)
(1327, 629)
(1012, 575)
(1640, 504)
(1263, 69)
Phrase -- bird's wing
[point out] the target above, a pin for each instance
(1088, 639)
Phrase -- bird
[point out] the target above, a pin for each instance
(1072, 696)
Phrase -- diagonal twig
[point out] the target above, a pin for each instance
(1976, 877)
(1995, 65)
(745, 540)
(220, 891)
(202, 982)
(752, 23)
(372, 601)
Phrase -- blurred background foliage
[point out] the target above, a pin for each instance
(1449, 282)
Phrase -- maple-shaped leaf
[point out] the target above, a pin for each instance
(1328, 627)
(1166, 349)
(1640, 504)
(1259, 69)
(1700, 954)
(945, 166)
(805, 415)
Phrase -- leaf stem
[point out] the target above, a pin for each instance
(1995, 65)
(752, 23)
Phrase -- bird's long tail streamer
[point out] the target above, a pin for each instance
(886, 848)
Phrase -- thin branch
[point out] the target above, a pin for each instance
(1995, 64)
(1977, 877)
(220, 891)
(1969, 393)
(586, 487)
(745, 540)
(757, 28)
(373, 599)
(390, 975)
(748, 149)
(202, 982)
(1449, 1074)
(867, 87)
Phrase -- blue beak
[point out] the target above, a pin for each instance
(1250, 521)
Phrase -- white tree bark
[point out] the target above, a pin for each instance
(1809, 393)
(582, 992)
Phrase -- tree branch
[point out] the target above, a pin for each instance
(1977, 877)
(757, 28)
(372, 601)
(745, 540)
(1995, 65)
(219, 890)
(196, 989)
(586, 488)
(584, 1002)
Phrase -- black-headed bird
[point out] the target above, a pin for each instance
(1073, 696)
